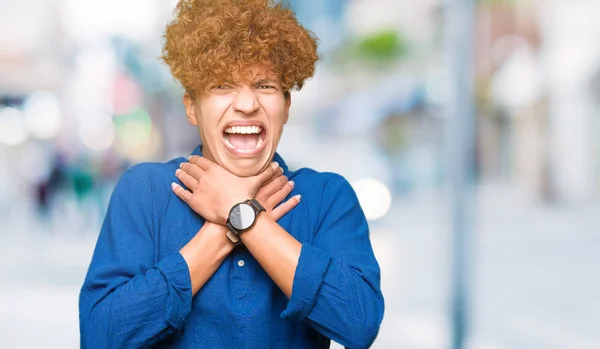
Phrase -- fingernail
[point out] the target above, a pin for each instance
(181, 164)
(298, 197)
(177, 171)
(291, 183)
(281, 170)
(173, 184)
(274, 165)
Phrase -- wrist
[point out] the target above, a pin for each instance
(217, 234)
(258, 221)
(226, 209)
(209, 244)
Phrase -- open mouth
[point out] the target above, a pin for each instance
(244, 139)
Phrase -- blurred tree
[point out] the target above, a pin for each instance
(386, 45)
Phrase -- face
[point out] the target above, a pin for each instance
(241, 122)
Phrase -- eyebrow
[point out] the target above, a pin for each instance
(265, 81)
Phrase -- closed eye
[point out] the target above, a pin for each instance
(265, 87)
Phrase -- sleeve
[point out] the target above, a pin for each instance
(337, 281)
(129, 299)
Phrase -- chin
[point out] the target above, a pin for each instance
(246, 167)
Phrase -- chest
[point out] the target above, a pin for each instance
(240, 295)
(239, 276)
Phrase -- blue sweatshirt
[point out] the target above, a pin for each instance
(137, 291)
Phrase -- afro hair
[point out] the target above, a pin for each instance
(211, 41)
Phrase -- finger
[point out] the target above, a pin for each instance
(276, 174)
(181, 193)
(187, 180)
(192, 170)
(273, 187)
(280, 194)
(267, 173)
(201, 161)
(286, 207)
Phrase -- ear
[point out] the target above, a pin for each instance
(190, 108)
(288, 103)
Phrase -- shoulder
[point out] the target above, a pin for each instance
(154, 171)
(154, 177)
(325, 181)
(330, 201)
(323, 189)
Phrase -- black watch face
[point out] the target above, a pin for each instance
(242, 216)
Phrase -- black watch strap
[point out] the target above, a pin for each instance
(258, 208)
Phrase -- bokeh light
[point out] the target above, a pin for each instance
(136, 137)
(43, 115)
(98, 136)
(13, 129)
(374, 197)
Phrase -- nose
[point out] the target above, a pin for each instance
(245, 101)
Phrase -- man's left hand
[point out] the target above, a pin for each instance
(212, 191)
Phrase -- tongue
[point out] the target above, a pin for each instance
(243, 141)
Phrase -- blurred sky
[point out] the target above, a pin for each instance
(83, 96)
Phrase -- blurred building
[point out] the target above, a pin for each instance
(537, 111)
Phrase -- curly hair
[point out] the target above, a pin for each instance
(211, 41)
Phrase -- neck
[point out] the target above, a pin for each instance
(206, 153)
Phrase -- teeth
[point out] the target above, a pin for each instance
(244, 129)
(259, 143)
(228, 143)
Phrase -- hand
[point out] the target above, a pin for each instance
(212, 190)
(272, 193)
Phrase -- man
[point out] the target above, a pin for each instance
(230, 248)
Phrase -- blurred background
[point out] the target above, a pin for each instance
(83, 96)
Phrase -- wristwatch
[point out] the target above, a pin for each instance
(242, 217)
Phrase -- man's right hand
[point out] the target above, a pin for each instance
(273, 192)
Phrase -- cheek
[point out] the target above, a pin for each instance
(277, 117)
(280, 121)
(210, 115)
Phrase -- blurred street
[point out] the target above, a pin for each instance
(84, 96)
(535, 274)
